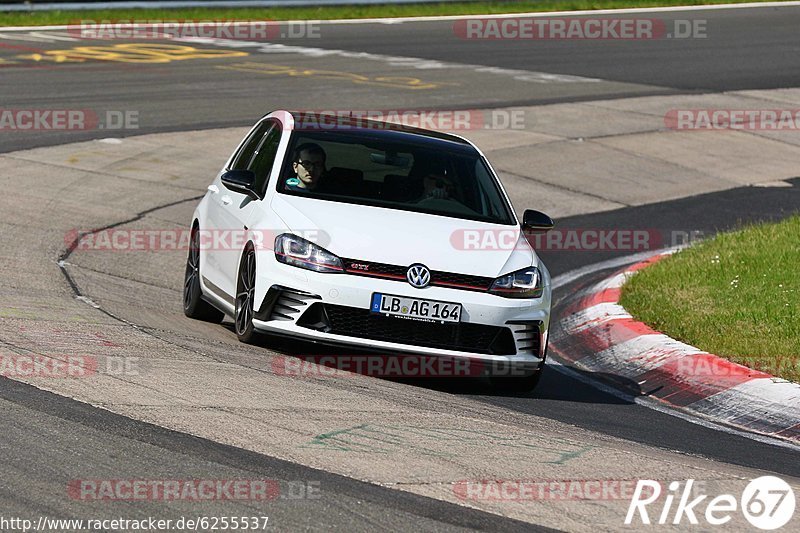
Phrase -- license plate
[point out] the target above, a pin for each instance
(415, 308)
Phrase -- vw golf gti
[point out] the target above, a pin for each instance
(374, 236)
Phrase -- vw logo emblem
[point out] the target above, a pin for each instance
(418, 276)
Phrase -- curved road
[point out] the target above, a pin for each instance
(742, 49)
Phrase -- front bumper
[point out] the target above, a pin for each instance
(334, 309)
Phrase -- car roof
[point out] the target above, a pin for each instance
(385, 131)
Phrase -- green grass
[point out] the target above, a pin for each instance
(736, 296)
(34, 18)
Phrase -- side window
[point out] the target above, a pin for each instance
(264, 157)
(245, 155)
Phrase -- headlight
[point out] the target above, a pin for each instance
(525, 283)
(295, 251)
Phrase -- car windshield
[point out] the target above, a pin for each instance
(425, 177)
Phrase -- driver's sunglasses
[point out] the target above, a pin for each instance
(308, 165)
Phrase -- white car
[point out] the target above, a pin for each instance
(375, 236)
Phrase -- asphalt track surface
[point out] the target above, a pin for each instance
(742, 49)
(50, 440)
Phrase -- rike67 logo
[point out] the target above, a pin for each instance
(766, 502)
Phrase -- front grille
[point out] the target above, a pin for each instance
(396, 272)
(361, 323)
(447, 279)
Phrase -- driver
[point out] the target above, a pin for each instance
(308, 164)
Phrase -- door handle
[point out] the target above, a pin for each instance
(213, 188)
(226, 200)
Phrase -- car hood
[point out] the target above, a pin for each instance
(396, 237)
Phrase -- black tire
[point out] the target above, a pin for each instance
(193, 304)
(516, 385)
(245, 291)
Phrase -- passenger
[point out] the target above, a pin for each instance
(308, 165)
(437, 186)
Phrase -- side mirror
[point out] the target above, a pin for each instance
(536, 221)
(243, 181)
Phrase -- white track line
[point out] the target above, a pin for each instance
(439, 18)
(396, 20)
